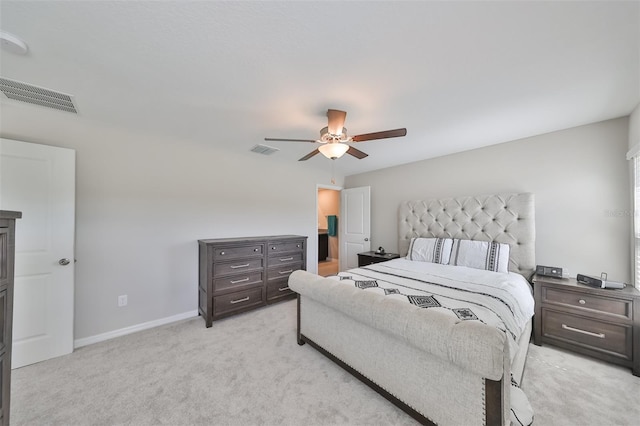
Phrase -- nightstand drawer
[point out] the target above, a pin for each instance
(580, 300)
(588, 333)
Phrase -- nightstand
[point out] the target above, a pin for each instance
(371, 257)
(603, 323)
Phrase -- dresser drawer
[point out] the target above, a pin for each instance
(240, 266)
(580, 300)
(236, 301)
(588, 333)
(282, 271)
(285, 247)
(282, 259)
(229, 283)
(232, 252)
(278, 288)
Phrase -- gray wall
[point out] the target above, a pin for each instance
(143, 201)
(634, 127)
(579, 177)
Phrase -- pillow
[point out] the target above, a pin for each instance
(487, 255)
(434, 250)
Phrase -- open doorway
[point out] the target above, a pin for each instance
(328, 202)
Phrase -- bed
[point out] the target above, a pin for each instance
(437, 333)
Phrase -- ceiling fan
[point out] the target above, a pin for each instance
(334, 139)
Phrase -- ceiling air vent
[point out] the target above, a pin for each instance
(264, 149)
(36, 95)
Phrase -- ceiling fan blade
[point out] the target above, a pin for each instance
(290, 140)
(380, 135)
(336, 121)
(309, 155)
(357, 153)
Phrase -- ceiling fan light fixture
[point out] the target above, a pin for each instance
(333, 150)
(326, 137)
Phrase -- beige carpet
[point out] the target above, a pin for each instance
(248, 370)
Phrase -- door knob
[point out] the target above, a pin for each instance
(64, 261)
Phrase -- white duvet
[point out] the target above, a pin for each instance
(502, 300)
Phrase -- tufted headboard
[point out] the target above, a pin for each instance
(504, 218)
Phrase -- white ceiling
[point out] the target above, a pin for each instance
(457, 75)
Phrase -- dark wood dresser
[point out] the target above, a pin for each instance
(7, 253)
(603, 323)
(239, 274)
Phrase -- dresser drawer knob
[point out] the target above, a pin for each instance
(221, 253)
(244, 299)
(298, 245)
(588, 333)
(255, 249)
(582, 301)
(273, 247)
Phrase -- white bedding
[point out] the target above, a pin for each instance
(502, 300)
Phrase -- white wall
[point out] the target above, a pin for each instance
(143, 202)
(634, 127)
(579, 178)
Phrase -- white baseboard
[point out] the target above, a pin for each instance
(78, 343)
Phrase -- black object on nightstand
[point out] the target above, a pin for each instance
(371, 257)
(602, 323)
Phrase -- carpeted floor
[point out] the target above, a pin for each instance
(248, 370)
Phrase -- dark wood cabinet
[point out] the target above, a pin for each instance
(370, 257)
(7, 253)
(323, 247)
(239, 274)
(603, 323)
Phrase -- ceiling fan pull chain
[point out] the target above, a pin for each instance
(333, 180)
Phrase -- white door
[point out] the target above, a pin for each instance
(39, 181)
(355, 227)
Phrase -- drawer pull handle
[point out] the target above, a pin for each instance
(239, 266)
(582, 301)
(240, 281)
(288, 271)
(244, 299)
(589, 333)
(284, 259)
(283, 288)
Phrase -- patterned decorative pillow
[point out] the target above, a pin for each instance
(434, 250)
(487, 255)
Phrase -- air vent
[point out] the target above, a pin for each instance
(264, 149)
(36, 95)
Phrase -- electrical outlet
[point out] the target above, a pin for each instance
(122, 300)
